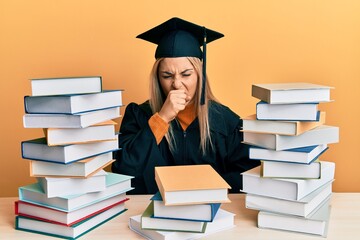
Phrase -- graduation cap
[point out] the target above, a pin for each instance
(179, 38)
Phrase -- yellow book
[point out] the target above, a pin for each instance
(191, 184)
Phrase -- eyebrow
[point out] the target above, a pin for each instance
(189, 69)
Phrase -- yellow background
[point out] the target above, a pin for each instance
(265, 41)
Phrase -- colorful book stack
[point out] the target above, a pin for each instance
(187, 205)
(292, 187)
(73, 194)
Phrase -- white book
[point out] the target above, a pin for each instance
(115, 184)
(82, 168)
(283, 112)
(283, 188)
(316, 223)
(69, 232)
(75, 103)
(98, 132)
(65, 85)
(274, 169)
(277, 93)
(303, 155)
(303, 207)
(321, 135)
(152, 223)
(67, 218)
(80, 120)
(251, 124)
(223, 220)
(57, 187)
(37, 149)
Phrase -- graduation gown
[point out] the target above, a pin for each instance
(140, 154)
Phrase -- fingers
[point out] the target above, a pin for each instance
(175, 102)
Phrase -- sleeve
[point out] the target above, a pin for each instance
(158, 127)
(139, 152)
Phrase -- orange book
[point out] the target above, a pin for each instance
(191, 184)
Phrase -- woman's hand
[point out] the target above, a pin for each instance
(175, 101)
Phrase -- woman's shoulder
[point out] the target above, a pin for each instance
(222, 118)
(139, 109)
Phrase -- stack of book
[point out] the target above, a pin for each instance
(292, 187)
(187, 205)
(73, 194)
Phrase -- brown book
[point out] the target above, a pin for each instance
(251, 124)
(191, 184)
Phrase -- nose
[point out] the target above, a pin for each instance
(177, 84)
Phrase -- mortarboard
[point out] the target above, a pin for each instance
(179, 38)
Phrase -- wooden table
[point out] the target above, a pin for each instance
(344, 221)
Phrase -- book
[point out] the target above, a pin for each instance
(37, 149)
(46, 214)
(94, 133)
(115, 184)
(197, 212)
(303, 207)
(223, 220)
(70, 232)
(57, 187)
(283, 188)
(82, 168)
(251, 124)
(303, 155)
(204, 186)
(149, 222)
(74, 103)
(65, 85)
(283, 112)
(275, 169)
(316, 223)
(79, 120)
(276, 93)
(323, 134)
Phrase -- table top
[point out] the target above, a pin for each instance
(344, 221)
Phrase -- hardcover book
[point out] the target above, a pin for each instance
(275, 169)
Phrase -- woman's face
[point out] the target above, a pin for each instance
(178, 73)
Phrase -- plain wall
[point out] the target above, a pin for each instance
(265, 41)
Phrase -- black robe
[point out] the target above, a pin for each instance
(140, 153)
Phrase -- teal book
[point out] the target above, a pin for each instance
(115, 184)
(68, 232)
(196, 212)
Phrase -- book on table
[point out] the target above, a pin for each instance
(287, 112)
(283, 188)
(83, 168)
(223, 220)
(79, 120)
(277, 93)
(94, 133)
(162, 224)
(302, 207)
(303, 155)
(196, 212)
(323, 134)
(251, 124)
(57, 187)
(316, 223)
(37, 149)
(74, 103)
(63, 231)
(47, 214)
(115, 184)
(65, 85)
(275, 169)
(204, 186)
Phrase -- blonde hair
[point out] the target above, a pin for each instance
(157, 99)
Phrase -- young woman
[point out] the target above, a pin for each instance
(182, 123)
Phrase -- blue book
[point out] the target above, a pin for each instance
(304, 155)
(196, 212)
(115, 184)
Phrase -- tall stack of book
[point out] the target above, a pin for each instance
(73, 194)
(187, 205)
(292, 187)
